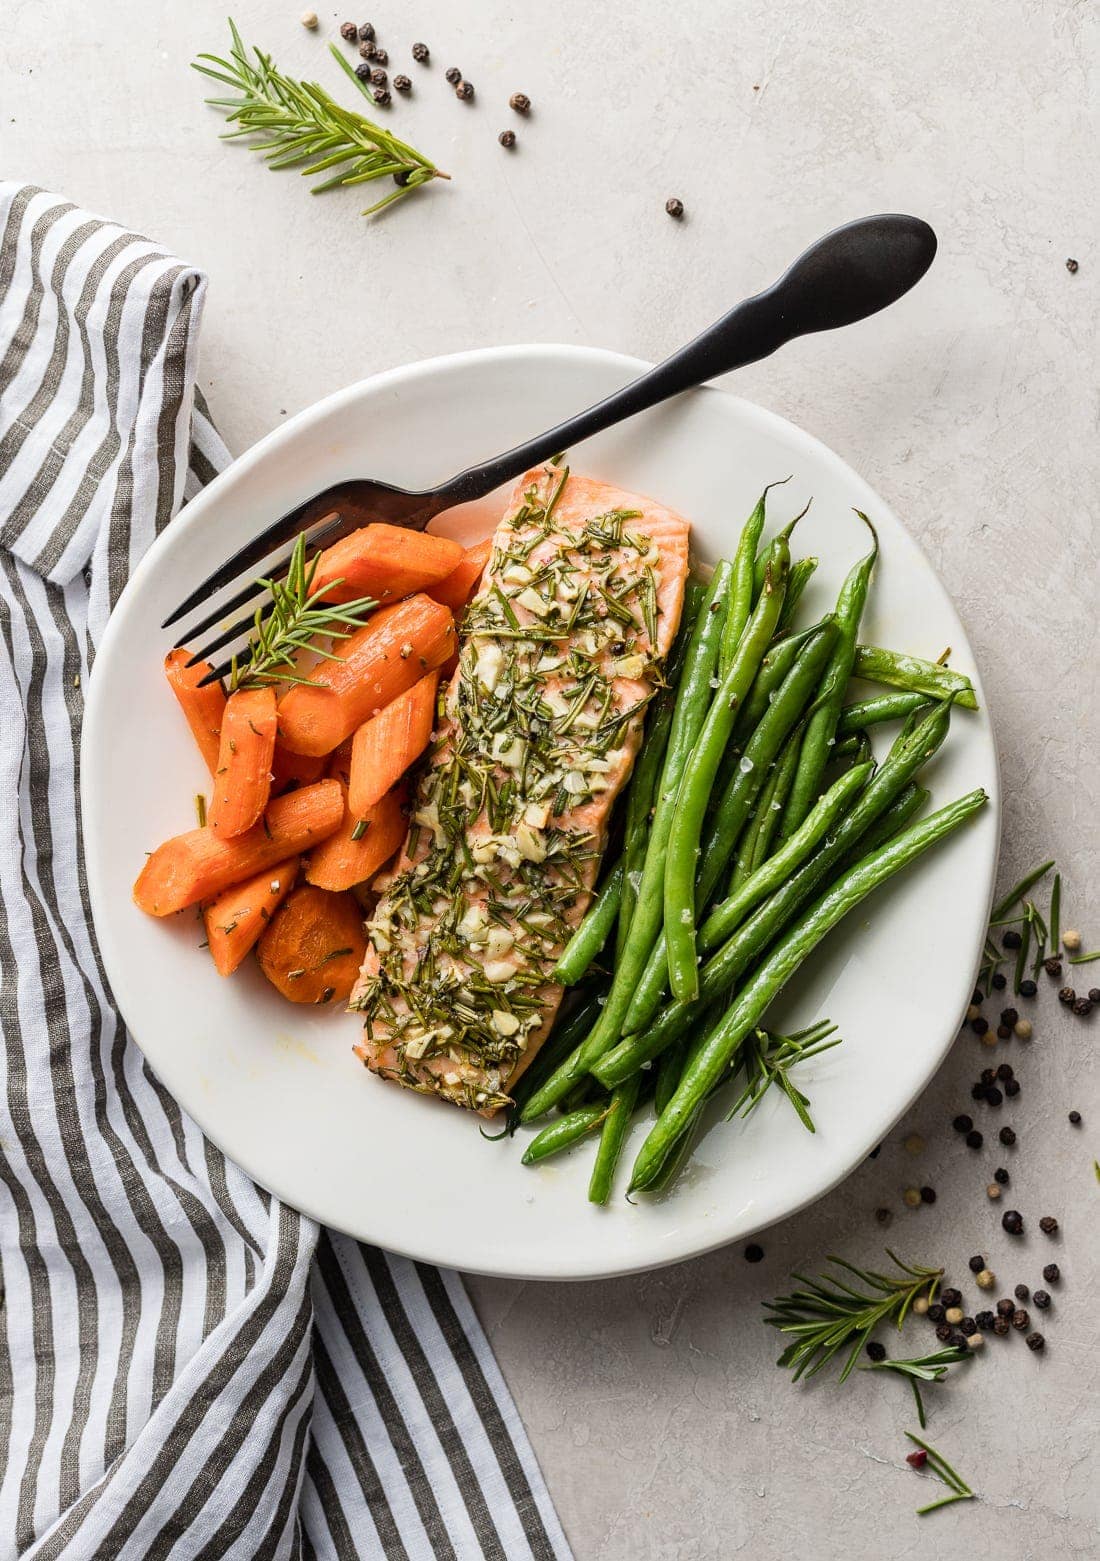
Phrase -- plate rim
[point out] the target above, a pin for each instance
(194, 513)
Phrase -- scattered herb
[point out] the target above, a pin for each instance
(768, 1059)
(944, 1473)
(923, 1368)
(200, 810)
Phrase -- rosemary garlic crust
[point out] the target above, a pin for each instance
(562, 652)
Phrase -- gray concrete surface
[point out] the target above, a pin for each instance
(661, 1422)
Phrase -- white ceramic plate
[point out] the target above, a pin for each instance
(277, 1087)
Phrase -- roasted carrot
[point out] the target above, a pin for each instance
(314, 946)
(203, 707)
(385, 562)
(293, 769)
(362, 845)
(455, 591)
(339, 761)
(242, 780)
(384, 747)
(197, 865)
(378, 662)
(235, 920)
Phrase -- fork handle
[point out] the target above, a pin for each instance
(851, 273)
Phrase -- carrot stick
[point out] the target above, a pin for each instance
(242, 781)
(385, 562)
(455, 591)
(203, 707)
(342, 861)
(384, 747)
(197, 865)
(339, 761)
(235, 920)
(378, 662)
(289, 770)
(314, 946)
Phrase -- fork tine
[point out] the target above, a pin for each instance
(219, 615)
(242, 626)
(253, 554)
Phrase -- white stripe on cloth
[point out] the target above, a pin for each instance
(188, 1368)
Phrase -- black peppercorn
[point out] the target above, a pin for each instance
(349, 31)
(1001, 1326)
(1007, 1136)
(988, 1075)
(366, 33)
(1012, 939)
(1005, 1307)
(401, 178)
(754, 1253)
(950, 1297)
(984, 1321)
(1009, 1016)
(363, 72)
(1048, 1225)
(993, 1095)
(1052, 1273)
(381, 96)
(1067, 996)
(1035, 1341)
(520, 102)
(465, 91)
(453, 75)
(944, 1332)
(963, 1124)
(977, 1091)
(1012, 1088)
(883, 1216)
(1013, 1222)
(1000, 981)
(1001, 1175)
(1094, 994)
(402, 84)
(936, 1311)
(381, 57)
(378, 77)
(957, 1339)
(928, 1195)
(876, 1350)
(1041, 1298)
(1082, 1007)
(1021, 1292)
(420, 53)
(968, 1326)
(979, 1025)
(1053, 965)
(979, 997)
(1072, 267)
(367, 51)
(976, 1263)
(974, 1140)
(1004, 1071)
(875, 1152)
(1003, 1032)
(507, 138)
(674, 206)
(1028, 988)
(1020, 1319)
(1075, 1118)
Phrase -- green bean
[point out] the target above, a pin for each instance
(854, 746)
(914, 718)
(593, 932)
(923, 677)
(730, 815)
(712, 1062)
(897, 815)
(802, 572)
(784, 536)
(883, 707)
(692, 699)
(826, 814)
(699, 772)
(612, 1137)
(781, 657)
(756, 842)
(669, 1067)
(1017, 892)
(750, 940)
(821, 728)
(647, 770)
(564, 1039)
(566, 1131)
(741, 585)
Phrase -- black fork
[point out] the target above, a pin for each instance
(851, 273)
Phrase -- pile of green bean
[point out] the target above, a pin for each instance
(755, 820)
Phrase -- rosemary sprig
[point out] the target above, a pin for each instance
(298, 122)
(767, 1059)
(923, 1368)
(1084, 959)
(292, 621)
(945, 1474)
(831, 1314)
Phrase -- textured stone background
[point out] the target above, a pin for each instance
(652, 1402)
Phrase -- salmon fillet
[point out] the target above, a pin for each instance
(563, 645)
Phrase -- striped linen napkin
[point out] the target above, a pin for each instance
(188, 1368)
